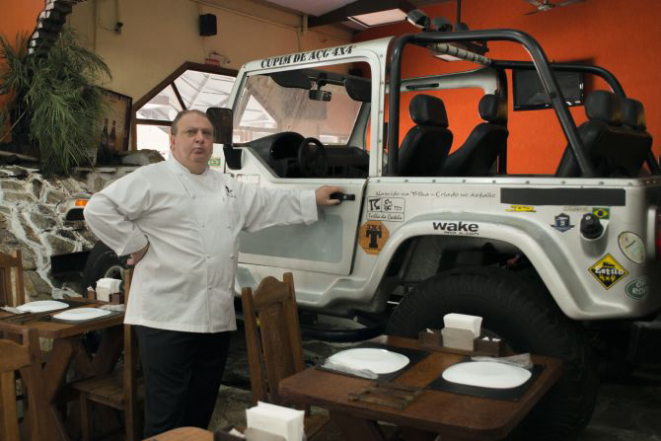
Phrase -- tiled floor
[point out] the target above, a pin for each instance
(629, 411)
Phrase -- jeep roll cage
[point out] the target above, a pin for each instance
(440, 41)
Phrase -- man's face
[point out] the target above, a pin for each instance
(192, 146)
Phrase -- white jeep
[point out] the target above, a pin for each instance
(554, 264)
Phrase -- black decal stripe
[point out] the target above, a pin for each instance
(563, 196)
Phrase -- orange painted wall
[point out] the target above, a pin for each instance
(18, 16)
(622, 36)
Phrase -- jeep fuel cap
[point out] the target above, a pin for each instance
(591, 227)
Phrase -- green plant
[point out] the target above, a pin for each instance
(55, 103)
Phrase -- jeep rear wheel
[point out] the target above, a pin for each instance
(102, 262)
(527, 319)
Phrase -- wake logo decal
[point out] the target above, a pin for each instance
(457, 228)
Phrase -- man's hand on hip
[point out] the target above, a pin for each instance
(137, 256)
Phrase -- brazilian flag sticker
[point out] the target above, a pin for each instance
(601, 212)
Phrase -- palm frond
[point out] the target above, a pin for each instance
(61, 96)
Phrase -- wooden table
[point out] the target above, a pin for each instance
(453, 416)
(184, 434)
(68, 349)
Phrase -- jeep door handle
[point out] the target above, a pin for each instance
(343, 196)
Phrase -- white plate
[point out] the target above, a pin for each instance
(80, 314)
(379, 361)
(487, 374)
(42, 306)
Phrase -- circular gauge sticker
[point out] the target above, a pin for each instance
(632, 246)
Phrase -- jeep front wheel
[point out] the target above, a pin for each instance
(525, 317)
(102, 263)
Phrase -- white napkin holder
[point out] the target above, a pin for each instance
(107, 286)
(461, 334)
(466, 322)
(276, 420)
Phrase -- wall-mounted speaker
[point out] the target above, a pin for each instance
(208, 25)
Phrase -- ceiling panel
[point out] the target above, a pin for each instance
(320, 7)
(316, 8)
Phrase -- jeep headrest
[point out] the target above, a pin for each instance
(493, 109)
(604, 106)
(633, 114)
(426, 110)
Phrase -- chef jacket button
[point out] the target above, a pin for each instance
(193, 197)
(232, 256)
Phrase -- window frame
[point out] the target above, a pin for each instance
(167, 82)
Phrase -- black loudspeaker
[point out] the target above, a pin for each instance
(208, 25)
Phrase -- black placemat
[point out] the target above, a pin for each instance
(513, 394)
(414, 356)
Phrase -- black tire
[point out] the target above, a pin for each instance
(102, 262)
(528, 320)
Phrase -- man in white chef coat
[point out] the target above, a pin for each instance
(179, 220)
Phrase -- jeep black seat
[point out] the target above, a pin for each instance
(613, 150)
(488, 140)
(639, 141)
(633, 114)
(427, 144)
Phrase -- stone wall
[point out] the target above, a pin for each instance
(32, 219)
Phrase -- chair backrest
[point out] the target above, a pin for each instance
(613, 150)
(426, 145)
(485, 144)
(273, 337)
(12, 291)
(24, 358)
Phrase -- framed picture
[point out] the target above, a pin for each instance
(116, 122)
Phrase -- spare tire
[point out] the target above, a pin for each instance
(525, 316)
(102, 262)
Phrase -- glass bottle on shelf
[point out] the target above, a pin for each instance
(104, 135)
(112, 139)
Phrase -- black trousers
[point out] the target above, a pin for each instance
(182, 376)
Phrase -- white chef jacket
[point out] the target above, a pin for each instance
(185, 281)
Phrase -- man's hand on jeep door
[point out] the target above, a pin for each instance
(323, 195)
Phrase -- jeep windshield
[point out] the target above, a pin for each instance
(312, 103)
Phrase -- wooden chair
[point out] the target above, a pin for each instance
(122, 393)
(273, 341)
(24, 358)
(11, 294)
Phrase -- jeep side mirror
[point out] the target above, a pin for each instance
(222, 120)
(223, 126)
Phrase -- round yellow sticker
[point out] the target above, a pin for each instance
(372, 236)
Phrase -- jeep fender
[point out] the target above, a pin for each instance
(535, 242)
